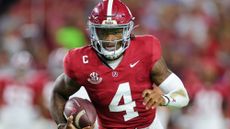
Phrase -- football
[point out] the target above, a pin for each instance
(83, 112)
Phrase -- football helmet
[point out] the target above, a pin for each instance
(110, 17)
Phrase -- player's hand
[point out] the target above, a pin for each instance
(153, 98)
(89, 127)
(69, 124)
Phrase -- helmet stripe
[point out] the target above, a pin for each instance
(109, 9)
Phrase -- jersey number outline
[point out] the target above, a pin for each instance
(128, 106)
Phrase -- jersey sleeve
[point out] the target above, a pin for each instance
(68, 69)
(156, 50)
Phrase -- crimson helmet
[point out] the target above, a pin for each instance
(109, 15)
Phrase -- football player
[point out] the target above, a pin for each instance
(118, 71)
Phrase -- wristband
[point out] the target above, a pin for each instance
(167, 100)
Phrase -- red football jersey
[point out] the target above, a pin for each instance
(117, 93)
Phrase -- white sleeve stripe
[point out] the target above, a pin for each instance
(173, 88)
(171, 83)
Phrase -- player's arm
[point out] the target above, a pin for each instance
(63, 88)
(174, 93)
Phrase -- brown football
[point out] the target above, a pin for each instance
(83, 112)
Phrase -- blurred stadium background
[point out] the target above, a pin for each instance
(35, 35)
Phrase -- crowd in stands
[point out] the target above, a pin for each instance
(194, 35)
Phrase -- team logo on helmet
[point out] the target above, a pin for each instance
(94, 78)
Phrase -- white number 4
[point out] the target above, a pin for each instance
(128, 106)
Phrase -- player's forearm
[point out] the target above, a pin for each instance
(175, 94)
(58, 100)
(57, 107)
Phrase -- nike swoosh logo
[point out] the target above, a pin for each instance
(133, 65)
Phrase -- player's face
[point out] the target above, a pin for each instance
(111, 38)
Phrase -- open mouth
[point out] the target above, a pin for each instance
(110, 48)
